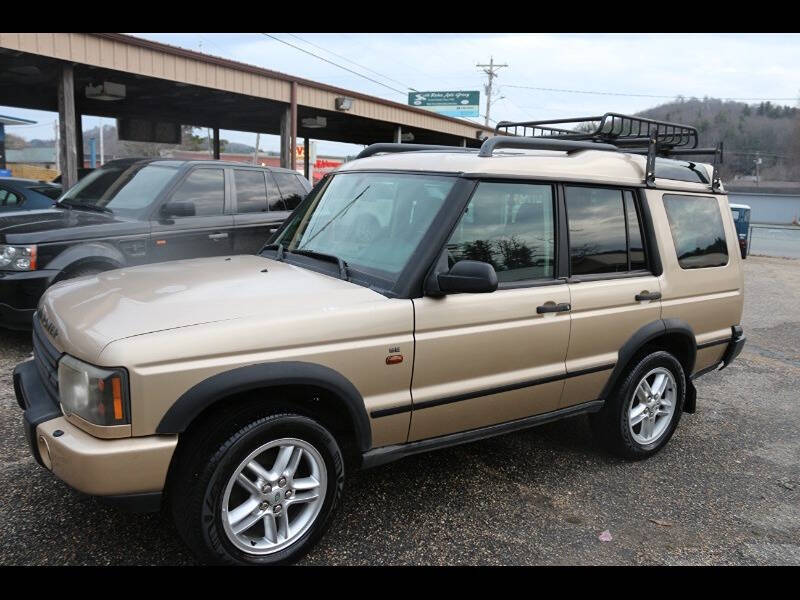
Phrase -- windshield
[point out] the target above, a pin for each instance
(372, 221)
(123, 189)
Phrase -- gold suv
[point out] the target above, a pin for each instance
(419, 297)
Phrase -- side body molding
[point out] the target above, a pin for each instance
(644, 335)
(215, 388)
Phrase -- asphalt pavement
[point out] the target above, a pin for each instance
(725, 490)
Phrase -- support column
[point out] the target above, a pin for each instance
(306, 158)
(398, 135)
(79, 139)
(293, 117)
(286, 138)
(216, 143)
(463, 142)
(67, 155)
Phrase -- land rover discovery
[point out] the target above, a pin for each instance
(546, 275)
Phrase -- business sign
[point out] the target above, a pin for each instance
(449, 104)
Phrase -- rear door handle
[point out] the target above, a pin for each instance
(552, 308)
(217, 236)
(648, 296)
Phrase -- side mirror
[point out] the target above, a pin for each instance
(178, 208)
(468, 276)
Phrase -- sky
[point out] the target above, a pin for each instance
(633, 71)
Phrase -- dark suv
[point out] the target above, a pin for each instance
(136, 211)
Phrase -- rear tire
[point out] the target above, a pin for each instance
(641, 414)
(212, 505)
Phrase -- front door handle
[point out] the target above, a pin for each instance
(553, 308)
(217, 236)
(645, 295)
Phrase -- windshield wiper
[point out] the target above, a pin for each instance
(343, 274)
(336, 216)
(278, 247)
(83, 205)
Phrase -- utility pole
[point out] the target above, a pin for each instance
(490, 70)
(255, 154)
(55, 128)
(102, 153)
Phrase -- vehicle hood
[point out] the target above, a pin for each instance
(86, 314)
(33, 226)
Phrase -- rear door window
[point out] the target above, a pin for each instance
(697, 231)
(291, 190)
(274, 198)
(251, 191)
(205, 188)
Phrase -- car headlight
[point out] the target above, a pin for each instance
(97, 395)
(17, 258)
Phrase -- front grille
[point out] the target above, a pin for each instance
(46, 357)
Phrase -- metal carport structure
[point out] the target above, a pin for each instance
(50, 71)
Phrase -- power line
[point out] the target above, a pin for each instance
(352, 62)
(335, 64)
(544, 89)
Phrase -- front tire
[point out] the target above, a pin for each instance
(259, 490)
(641, 414)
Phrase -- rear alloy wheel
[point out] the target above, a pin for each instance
(641, 414)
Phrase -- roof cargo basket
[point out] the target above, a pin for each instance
(636, 135)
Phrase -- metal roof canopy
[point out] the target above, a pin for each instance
(10, 121)
(225, 94)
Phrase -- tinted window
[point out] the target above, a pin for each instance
(251, 192)
(273, 195)
(8, 198)
(679, 170)
(597, 239)
(50, 191)
(304, 183)
(635, 244)
(697, 231)
(206, 189)
(291, 190)
(509, 226)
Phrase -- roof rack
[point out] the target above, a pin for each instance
(636, 135)
(611, 132)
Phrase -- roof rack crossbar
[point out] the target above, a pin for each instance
(373, 149)
(537, 143)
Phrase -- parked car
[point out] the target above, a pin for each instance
(138, 211)
(26, 194)
(505, 289)
(741, 217)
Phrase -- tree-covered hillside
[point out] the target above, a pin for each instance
(769, 129)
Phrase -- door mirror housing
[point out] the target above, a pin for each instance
(468, 276)
(178, 208)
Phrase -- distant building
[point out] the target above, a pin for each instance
(41, 157)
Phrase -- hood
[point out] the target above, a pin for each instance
(88, 313)
(35, 226)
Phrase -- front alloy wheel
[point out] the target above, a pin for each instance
(267, 508)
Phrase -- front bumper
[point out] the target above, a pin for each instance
(127, 467)
(19, 296)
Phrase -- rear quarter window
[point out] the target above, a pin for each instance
(697, 231)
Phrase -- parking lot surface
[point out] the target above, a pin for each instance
(725, 490)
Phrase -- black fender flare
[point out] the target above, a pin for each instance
(242, 379)
(645, 334)
(88, 252)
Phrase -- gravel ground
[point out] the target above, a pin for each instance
(726, 489)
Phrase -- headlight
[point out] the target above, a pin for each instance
(98, 395)
(17, 258)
